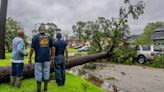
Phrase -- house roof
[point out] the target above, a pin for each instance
(158, 33)
(160, 29)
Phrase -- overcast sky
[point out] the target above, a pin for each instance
(65, 13)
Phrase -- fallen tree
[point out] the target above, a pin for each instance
(28, 70)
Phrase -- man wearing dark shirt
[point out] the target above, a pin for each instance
(59, 65)
(43, 47)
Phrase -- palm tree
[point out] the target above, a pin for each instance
(3, 12)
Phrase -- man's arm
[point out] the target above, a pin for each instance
(66, 54)
(30, 55)
(52, 54)
(32, 50)
(52, 49)
(20, 48)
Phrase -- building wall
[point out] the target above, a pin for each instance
(159, 42)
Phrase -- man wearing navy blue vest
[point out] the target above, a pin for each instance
(43, 47)
(60, 59)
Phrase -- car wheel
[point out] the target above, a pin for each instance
(141, 59)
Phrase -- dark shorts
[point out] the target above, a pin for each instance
(17, 69)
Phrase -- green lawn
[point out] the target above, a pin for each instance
(73, 83)
(7, 61)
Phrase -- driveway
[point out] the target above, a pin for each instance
(131, 77)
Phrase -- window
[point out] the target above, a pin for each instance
(145, 48)
(156, 48)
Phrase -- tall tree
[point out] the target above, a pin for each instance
(11, 27)
(3, 13)
(52, 29)
(106, 32)
(78, 29)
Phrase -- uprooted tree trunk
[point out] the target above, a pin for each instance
(28, 70)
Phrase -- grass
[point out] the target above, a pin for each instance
(73, 83)
(75, 51)
(7, 61)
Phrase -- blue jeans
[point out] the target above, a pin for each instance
(42, 70)
(59, 68)
(17, 69)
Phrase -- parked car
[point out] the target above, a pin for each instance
(83, 49)
(78, 46)
(147, 52)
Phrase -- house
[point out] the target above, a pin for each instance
(158, 37)
(72, 42)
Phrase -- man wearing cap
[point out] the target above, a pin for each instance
(59, 62)
(43, 47)
(18, 53)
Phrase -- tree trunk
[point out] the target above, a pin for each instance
(28, 70)
(3, 12)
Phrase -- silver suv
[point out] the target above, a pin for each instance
(147, 52)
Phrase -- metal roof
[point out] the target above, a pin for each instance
(158, 33)
(160, 29)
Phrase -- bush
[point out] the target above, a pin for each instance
(93, 49)
(158, 61)
(123, 55)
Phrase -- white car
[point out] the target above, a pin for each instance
(83, 49)
(147, 52)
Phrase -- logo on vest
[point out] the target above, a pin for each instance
(43, 41)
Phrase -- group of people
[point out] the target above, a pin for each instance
(47, 52)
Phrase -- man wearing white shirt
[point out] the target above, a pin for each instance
(18, 53)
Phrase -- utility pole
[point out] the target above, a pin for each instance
(3, 13)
